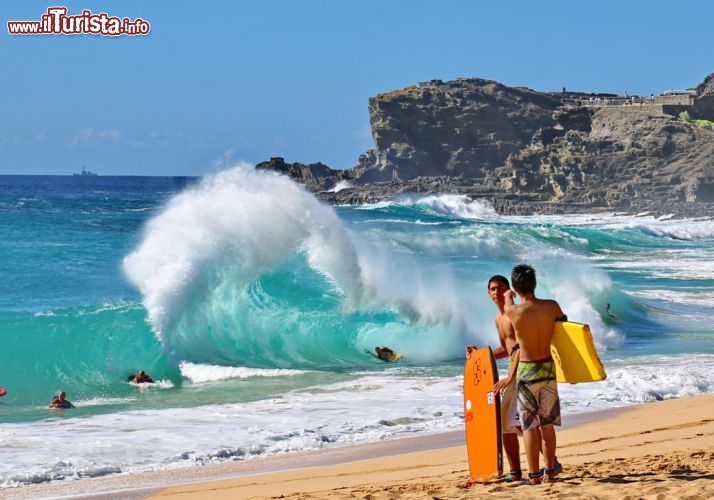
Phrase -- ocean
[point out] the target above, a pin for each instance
(255, 307)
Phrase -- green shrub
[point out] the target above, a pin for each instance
(704, 124)
(684, 116)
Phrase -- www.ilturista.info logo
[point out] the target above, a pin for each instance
(57, 22)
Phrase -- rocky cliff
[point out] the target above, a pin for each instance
(529, 151)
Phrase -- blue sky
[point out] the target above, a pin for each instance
(221, 81)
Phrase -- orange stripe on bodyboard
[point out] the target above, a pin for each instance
(482, 416)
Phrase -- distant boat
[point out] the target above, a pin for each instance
(85, 172)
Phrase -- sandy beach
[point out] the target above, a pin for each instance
(656, 450)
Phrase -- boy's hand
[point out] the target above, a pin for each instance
(501, 385)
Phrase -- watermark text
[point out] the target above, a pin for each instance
(57, 22)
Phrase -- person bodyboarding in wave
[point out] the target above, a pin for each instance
(60, 401)
(384, 353)
(141, 378)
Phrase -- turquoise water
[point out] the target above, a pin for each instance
(252, 305)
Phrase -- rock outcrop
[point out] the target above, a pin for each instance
(529, 151)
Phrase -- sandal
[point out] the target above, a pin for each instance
(557, 469)
(535, 477)
(514, 475)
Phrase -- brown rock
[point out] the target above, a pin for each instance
(529, 151)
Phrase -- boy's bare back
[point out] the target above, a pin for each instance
(533, 321)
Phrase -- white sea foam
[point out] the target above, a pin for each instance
(678, 229)
(157, 384)
(659, 377)
(199, 373)
(341, 413)
(703, 298)
(375, 206)
(671, 264)
(452, 205)
(341, 185)
(406, 222)
(368, 407)
(220, 235)
(682, 230)
(449, 205)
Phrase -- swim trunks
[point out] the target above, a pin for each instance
(510, 420)
(538, 402)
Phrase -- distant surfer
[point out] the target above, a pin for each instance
(538, 404)
(607, 310)
(384, 353)
(60, 401)
(141, 378)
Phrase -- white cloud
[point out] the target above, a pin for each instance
(37, 138)
(168, 137)
(87, 135)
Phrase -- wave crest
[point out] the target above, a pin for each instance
(199, 255)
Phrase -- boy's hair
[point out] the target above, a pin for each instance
(498, 279)
(523, 278)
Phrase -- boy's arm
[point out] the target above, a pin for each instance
(512, 370)
(509, 304)
(559, 314)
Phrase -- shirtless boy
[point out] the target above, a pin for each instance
(538, 403)
(510, 422)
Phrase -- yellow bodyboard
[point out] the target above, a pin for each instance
(573, 349)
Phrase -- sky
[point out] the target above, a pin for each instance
(218, 82)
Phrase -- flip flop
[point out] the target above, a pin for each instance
(513, 476)
(551, 473)
(535, 478)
